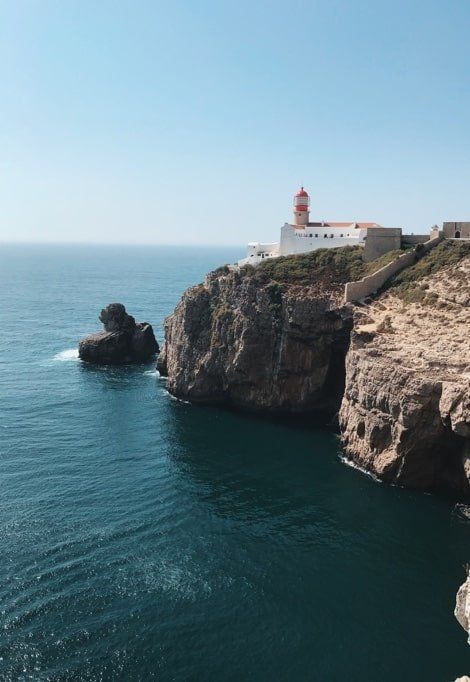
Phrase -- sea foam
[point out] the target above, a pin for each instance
(67, 355)
(354, 465)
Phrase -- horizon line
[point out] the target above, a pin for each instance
(8, 242)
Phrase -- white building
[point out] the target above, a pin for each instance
(302, 236)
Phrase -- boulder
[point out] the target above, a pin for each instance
(143, 342)
(122, 341)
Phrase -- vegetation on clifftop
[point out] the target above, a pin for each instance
(326, 267)
(407, 284)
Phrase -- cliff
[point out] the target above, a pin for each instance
(405, 414)
(279, 337)
(462, 604)
(235, 342)
(270, 338)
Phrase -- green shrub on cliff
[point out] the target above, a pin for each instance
(328, 266)
(275, 292)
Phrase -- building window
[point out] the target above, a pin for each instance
(331, 236)
(316, 235)
(342, 235)
(325, 235)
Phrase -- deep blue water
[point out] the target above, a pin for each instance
(143, 538)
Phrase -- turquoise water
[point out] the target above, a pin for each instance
(143, 538)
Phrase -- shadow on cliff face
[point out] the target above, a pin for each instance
(258, 345)
(437, 466)
(325, 419)
(321, 408)
(333, 389)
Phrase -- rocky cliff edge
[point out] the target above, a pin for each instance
(405, 414)
(279, 337)
(261, 338)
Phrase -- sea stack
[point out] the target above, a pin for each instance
(123, 340)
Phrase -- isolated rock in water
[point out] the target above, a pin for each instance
(123, 340)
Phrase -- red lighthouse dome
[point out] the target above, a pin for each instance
(301, 200)
(301, 207)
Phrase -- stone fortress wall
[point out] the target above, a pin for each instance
(355, 291)
(380, 240)
(413, 239)
(456, 230)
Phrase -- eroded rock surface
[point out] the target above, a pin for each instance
(123, 340)
(258, 345)
(462, 604)
(405, 414)
(275, 338)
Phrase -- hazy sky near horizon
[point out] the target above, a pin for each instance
(157, 122)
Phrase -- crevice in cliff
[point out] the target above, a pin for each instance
(335, 381)
(436, 465)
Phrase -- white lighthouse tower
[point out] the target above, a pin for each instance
(301, 208)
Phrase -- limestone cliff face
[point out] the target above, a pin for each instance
(462, 605)
(257, 345)
(250, 338)
(405, 414)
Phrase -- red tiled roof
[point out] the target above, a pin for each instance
(360, 226)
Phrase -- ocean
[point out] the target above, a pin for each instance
(143, 538)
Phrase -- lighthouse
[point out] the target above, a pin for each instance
(303, 236)
(301, 208)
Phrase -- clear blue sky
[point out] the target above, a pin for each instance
(196, 121)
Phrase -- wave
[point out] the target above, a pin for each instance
(178, 400)
(67, 355)
(152, 373)
(354, 465)
(462, 510)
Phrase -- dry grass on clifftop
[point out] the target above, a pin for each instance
(424, 324)
(411, 285)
